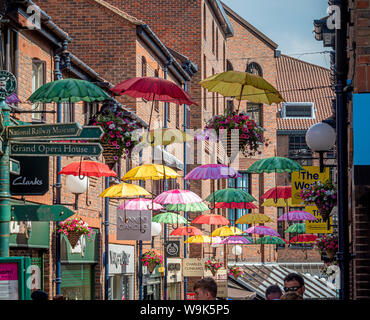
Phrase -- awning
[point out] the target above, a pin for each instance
(240, 294)
(168, 158)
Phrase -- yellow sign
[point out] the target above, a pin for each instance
(317, 226)
(302, 179)
(193, 267)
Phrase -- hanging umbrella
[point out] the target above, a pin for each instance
(271, 240)
(124, 190)
(297, 216)
(186, 231)
(236, 240)
(88, 169)
(253, 218)
(274, 164)
(169, 217)
(278, 203)
(296, 228)
(165, 137)
(211, 219)
(198, 239)
(235, 205)
(304, 238)
(280, 192)
(262, 230)
(226, 231)
(139, 204)
(13, 98)
(212, 171)
(187, 207)
(176, 196)
(69, 90)
(242, 86)
(150, 172)
(216, 242)
(230, 195)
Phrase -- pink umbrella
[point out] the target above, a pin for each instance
(139, 204)
(236, 240)
(177, 196)
(262, 230)
(212, 171)
(297, 216)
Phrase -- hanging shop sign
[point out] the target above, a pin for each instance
(33, 177)
(172, 249)
(174, 270)
(8, 83)
(121, 259)
(317, 226)
(302, 179)
(193, 267)
(134, 225)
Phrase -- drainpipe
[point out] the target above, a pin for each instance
(141, 244)
(106, 243)
(185, 188)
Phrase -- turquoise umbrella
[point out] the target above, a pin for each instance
(169, 218)
(69, 90)
(274, 164)
(230, 195)
(191, 207)
(297, 228)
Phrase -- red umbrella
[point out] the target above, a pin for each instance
(304, 238)
(88, 169)
(235, 205)
(211, 219)
(280, 192)
(186, 231)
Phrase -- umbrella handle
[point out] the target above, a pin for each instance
(79, 171)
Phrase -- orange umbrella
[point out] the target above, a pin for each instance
(186, 231)
(211, 219)
(88, 169)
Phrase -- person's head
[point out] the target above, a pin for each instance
(294, 282)
(205, 289)
(39, 295)
(291, 296)
(273, 292)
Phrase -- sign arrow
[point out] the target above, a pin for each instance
(40, 212)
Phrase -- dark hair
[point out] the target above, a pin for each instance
(208, 284)
(39, 295)
(294, 276)
(273, 289)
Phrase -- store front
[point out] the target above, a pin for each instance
(174, 279)
(121, 272)
(78, 268)
(152, 288)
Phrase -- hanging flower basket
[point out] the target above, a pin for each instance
(328, 244)
(235, 271)
(151, 259)
(74, 228)
(213, 266)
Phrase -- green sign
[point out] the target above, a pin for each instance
(54, 149)
(8, 83)
(47, 131)
(14, 166)
(89, 133)
(40, 212)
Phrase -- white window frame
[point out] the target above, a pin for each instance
(302, 104)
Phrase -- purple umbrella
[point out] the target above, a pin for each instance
(12, 99)
(235, 240)
(212, 171)
(297, 216)
(262, 230)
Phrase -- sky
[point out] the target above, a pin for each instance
(289, 23)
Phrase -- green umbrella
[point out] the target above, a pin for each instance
(193, 207)
(169, 217)
(229, 195)
(297, 228)
(270, 240)
(69, 90)
(274, 164)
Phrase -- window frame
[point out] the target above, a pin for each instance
(40, 117)
(260, 114)
(298, 104)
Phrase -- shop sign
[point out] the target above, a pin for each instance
(174, 270)
(172, 249)
(121, 259)
(134, 225)
(190, 296)
(317, 226)
(193, 267)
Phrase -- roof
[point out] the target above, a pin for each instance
(257, 277)
(294, 74)
(218, 9)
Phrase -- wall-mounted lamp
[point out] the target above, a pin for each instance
(237, 251)
(155, 231)
(77, 186)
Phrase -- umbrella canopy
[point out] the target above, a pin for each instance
(13, 98)
(297, 228)
(280, 192)
(297, 216)
(124, 190)
(212, 171)
(278, 203)
(235, 205)
(271, 240)
(198, 239)
(304, 238)
(211, 219)
(139, 204)
(230, 195)
(186, 231)
(165, 136)
(88, 169)
(236, 240)
(262, 230)
(253, 218)
(226, 231)
(150, 172)
(242, 86)
(191, 207)
(69, 90)
(177, 196)
(153, 88)
(169, 217)
(274, 164)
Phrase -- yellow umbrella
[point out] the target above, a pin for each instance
(165, 136)
(198, 239)
(279, 203)
(150, 172)
(226, 231)
(254, 218)
(124, 190)
(242, 86)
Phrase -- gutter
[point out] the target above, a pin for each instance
(221, 16)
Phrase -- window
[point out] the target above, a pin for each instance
(216, 44)
(229, 66)
(177, 116)
(298, 110)
(299, 151)
(254, 111)
(204, 21)
(68, 112)
(254, 68)
(224, 56)
(90, 109)
(38, 79)
(217, 103)
(168, 112)
(8, 45)
(143, 66)
(229, 105)
(213, 36)
(205, 98)
(156, 102)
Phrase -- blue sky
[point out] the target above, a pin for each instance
(289, 23)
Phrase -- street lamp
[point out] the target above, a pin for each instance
(237, 251)
(77, 186)
(320, 138)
